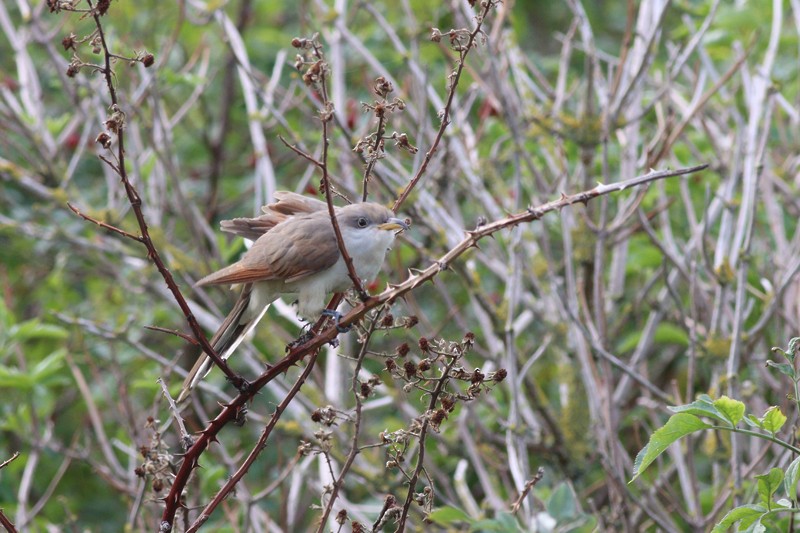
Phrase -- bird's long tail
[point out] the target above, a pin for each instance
(240, 321)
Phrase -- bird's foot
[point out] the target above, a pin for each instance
(302, 339)
(337, 316)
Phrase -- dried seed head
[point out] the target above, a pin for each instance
(104, 139)
(410, 368)
(423, 344)
(102, 7)
(366, 389)
(382, 86)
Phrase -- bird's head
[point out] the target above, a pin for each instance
(369, 226)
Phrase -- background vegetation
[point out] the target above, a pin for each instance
(600, 315)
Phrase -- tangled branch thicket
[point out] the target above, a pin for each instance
(500, 383)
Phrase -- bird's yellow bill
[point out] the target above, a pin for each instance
(394, 224)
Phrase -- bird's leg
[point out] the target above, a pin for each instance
(337, 316)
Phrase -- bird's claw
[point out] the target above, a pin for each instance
(337, 316)
(302, 339)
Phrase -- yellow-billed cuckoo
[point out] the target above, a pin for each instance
(295, 253)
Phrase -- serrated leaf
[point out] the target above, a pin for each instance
(732, 410)
(702, 406)
(773, 419)
(767, 485)
(678, 425)
(745, 513)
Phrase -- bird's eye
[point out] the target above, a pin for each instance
(362, 222)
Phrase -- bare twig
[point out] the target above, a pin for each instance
(445, 113)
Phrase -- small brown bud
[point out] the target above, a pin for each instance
(104, 139)
(158, 485)
(391, 365)
(403, 349)
(410, 368)
(68, 42)
(341, 517)
(411, 321)
(424, 365)
(72, 70)
(477, 376)
(358, 528)
(298, 42)
(500, 375)
(148, 60)
(448, 403)
(387, 321)
(102, 6)
(438, 417)
(139, 471)
(316, 416)
(436, 35)
(382, 86)
(366, 389)
(423, 344)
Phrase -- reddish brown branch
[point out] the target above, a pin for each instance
(136, 204)
(6, 523)
(257, 449)
(229, 412)
(184, 336)
(326, 113)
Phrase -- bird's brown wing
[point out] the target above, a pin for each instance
(287, 204)
(291, 251)
(291, 203)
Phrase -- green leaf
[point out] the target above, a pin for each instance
(562, 505)
(783, 368)
(34, 329)
(678, 425)
(791, 478)
(767, 485)
(792, 349)
(502, 523)
(447, 516)
(732, 410)
(702, 406)
(753, 421)
(773, 419)
(748, 514)
(40, 374)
